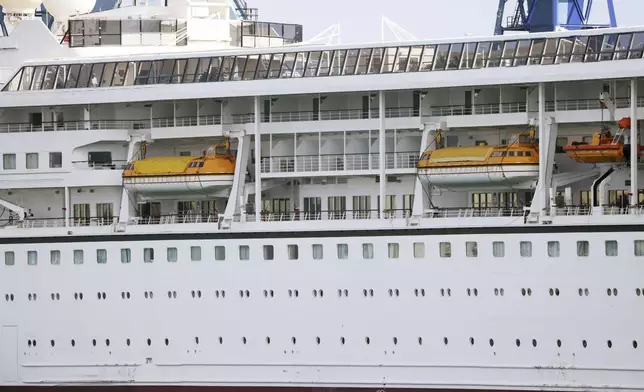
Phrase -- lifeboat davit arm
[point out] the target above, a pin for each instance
(14, 208)
(241, 164)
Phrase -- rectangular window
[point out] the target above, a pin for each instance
(419, 250)
(611, 248)
(195, 253)
(9, 161)
(367, 251)
(318, 252)
(32, 160)
(343, 251)
(471, 249)
(638, 248)
(294, 252)
(553, 249)
(445, 249)
(126, 256)
(244, 252)
(269, 252)
(101, 256)
(393, 249)
(32, 257)
(78, 256)
(54, 257)
(525, 248)
(220, 253)
(173, 255)
(55, 160)
(583, 248)
(148, 255)
(498, 249)
(9, 258)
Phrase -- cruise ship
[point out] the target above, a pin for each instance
(196, 199)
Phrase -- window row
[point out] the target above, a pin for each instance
(360, 61)
(32, 161)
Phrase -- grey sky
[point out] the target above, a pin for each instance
(360, 19)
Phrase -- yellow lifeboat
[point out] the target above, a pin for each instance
(515, 164)
(177, 176)
(603, 148)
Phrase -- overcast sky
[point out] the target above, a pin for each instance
(360, 19)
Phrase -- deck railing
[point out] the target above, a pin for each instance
(337, 162)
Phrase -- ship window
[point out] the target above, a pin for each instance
(32, 257)
(32, 160)
(9, 258)
(269, 252)
(220, 253)
(583, 248)
(173, 255)
(318, 252)
(553, 249)
(471, 249)
(244, 252)
(101, 256)
(55, 160)
(293, 252)
(54, 257)
(195, 253)
(126, 256)
(393, 249)
(367, 251)
(498, 249)
(611, 248)
(525, 248)
(419, 250)
(638, 248)
(445, 249)
(148, 255)
(9, 161)
(78, 256)
(343, 251)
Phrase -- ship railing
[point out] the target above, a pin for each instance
(337, 162)
(193, 121)
(35, 223)
(67, 126)
(619, 210)
(325, 215)
(173, 219)
(494, 212)
(113, 165)
(573, 210)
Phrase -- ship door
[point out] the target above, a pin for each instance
(468, 102)
(365, 106)
(416, 103)
(9, 353)
(316, 109)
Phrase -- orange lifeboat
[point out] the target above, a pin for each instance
(603, 148)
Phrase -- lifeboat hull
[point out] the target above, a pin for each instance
(484, 176)
(170, 187)
(583, 153)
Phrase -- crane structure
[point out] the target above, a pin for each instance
(537, 16)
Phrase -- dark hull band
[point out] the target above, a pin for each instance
(183, 388)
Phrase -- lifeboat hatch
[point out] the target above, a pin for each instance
(9, 353)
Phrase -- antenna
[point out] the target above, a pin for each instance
(399, 33)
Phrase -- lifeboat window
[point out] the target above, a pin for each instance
(511, 153)
(367, 251)
(393, 249)
(32, 257)
(173, 255)
(195, 253)
(343, 251)
(528, 153)
(78, 256)
(9, 258)
(148, 255)
(611, 248)
(220, 253)
(419, 250)
(519, 153)
(54, 257)
(101, 256)
(294, 252)
(201, 164)
(471, 249)
(191, 164)
(525, 248)
(269, 252)
(583, 248)
(445, 249)
(553, 249)
(638, 248)
(318, 251)
(126, 256)
(498, 249)
(244, 252)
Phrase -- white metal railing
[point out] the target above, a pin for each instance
(186, 121)
(114, 165)
(337, 162)
(616, 210)
(474, 213)
(573, 211)
(32, 223)
(174, 219)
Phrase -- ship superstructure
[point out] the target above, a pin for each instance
(450, 214)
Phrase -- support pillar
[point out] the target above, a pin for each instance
(86, 115)
(543, 147)
(66, 190)
(381, 154)
(258, 158)
(634, 145)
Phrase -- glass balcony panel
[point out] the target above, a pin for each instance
(274, 66)
(84, 76)
(550, 51)
(522, 53)
(108, 75)
(50, 77)
(288, 65)
(178, 70)
(563, 51)
(608, 47)
(226, 70)
(593, 47)
(414, 58)
(300, 63)
(456, 52)
(155, 72)
(97, 75)
(579, 49)
(163, 71)
(536, 51)
(131, 73)
(313, 64)
(427, 62)
(39, 73)
(14, 84)
(352, 61)
(262, 66)
(637, 46)
(213, 69)
(143, 74)
(469, 53)
(440, 62)
(509, 49)
(400, 65)
(325, 63)
(376, 60)
(202, 71)
(363, 61)
(623, 46)
(61, 76)
(482, 55)
(191, 71)
(252, 64)
(388, 59)
(496, 50)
